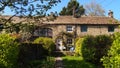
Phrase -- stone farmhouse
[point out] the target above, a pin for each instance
(64, 29)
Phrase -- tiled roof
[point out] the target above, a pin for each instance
(84, 20)
(71, 20)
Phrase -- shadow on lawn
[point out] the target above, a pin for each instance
(77, 64)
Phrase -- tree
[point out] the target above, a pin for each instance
(73, 7)
(32, 11)
(27, 8)
(94, 9)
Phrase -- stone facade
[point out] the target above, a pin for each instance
(76, 31)
(91, 30)
(66, 28)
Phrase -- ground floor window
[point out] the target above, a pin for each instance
(44, 32)
(69, 41)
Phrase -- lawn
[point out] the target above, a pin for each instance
(76, 62)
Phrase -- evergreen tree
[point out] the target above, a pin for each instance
(73, 5)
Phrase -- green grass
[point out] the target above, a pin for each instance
(46, 63)
(76, 62)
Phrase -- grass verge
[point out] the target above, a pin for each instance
(76, 62)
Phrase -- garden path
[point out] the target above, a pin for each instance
(58, 62)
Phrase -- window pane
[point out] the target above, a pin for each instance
(110, 28)
(69, 41)
(69, 28)
(83, 28)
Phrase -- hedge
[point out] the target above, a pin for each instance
(112, 59)
(47, 43)
(92, 49)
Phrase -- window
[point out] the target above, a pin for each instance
(1, 27)
(110, 28)
(83, 28)
(45, 32)
(69, 41)
(69, 28)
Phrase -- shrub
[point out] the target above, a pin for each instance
(8, 51)
(47, 43)
(88, 48)
(103, 43)
(29, 52)
(78, 47)
(94, 48)
(112, 59)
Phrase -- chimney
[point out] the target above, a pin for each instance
(51, 14)
(110, 14)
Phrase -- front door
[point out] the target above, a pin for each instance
(59, 45)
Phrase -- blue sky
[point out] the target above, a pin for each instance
(106, 4)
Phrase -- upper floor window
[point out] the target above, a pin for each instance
(69, 28)
(84, 28)
(111, 28)
(1, 27)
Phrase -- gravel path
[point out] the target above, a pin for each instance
(58, 62)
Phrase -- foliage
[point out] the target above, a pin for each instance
(27, 10)
(73, 4)
(28, 7)
(48, 63)
(112, 60)
(24, 29)
(47, 43)
(88, 48)
(78, 47)
(43, 63)
(103, 44)
(30, 52)
(8, 51)
(94, 9)
(19, 27)
(93, 48)
(76, 62)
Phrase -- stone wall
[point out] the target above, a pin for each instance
(92, 30)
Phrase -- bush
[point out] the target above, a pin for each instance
(93, 48)
(47, 43)
(78, 47)
(103, 44)
(30, 52)
(8, 51)
(112, 60)
(88, 48)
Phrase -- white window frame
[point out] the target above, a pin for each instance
(69, 41)
(69, 28)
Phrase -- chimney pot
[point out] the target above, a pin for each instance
(110, 14)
